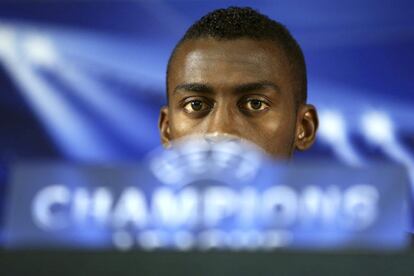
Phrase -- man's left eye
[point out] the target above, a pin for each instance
(254, 105)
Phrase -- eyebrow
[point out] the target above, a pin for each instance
(243, 88)
(194, 87)
(255, 86)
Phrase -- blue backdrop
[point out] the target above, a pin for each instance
(84, 80)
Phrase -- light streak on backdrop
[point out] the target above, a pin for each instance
(124, 119)
(378, 128)
(75, 135)
(333, 131)
(120, 115)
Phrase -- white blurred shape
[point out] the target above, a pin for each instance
(44, 202)
(377, 127)
(332, 126)
(40, 50)
(7, 42)
(333, 130)
(123, 240)
(184, 240)
(150, 240)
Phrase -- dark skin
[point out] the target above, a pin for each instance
(242, 87)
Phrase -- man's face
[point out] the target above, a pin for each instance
(243, 88)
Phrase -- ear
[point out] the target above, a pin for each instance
(306, 127)
(164, 127)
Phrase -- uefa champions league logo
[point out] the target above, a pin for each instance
(211, 156)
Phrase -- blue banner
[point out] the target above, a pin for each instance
(207, 198)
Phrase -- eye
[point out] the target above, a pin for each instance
(195, 106)
(254, 105)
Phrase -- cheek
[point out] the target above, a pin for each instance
(274, 134)
(181, 125)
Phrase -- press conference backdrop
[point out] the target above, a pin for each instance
(83, 81)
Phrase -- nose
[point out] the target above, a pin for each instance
(223, 122)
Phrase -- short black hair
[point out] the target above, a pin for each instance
(236, 22)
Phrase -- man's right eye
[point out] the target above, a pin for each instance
(195, 106)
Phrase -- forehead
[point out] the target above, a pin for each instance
(228, 62)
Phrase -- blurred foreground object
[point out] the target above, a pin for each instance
(207, 194)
